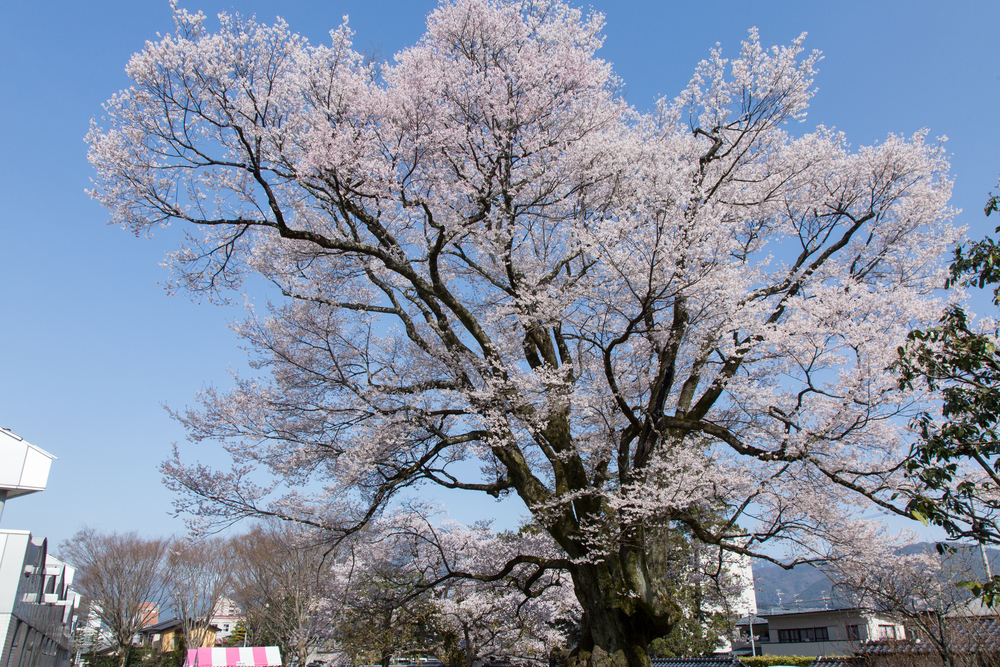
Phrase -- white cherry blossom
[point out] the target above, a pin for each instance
(485, 255)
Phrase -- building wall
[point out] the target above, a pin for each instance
(150, 613)
(807, 648)
(742, 575)
(225, 617)
(166, 640)
(837, 623)
(169, 638)
(37, 604)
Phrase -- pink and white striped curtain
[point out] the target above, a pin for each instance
(245, 656)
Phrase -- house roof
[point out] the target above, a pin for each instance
(167, 625)
(757, 620)
(804, 612)
(837, 661)
(892, 647)
(709, 661)
(160, 627)
(969, 634)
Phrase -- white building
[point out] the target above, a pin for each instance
(225, 616)
(37, 602)
(819, 631)
(741, 575)
(741, 594)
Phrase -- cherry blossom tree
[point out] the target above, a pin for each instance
(470, 613)
(927, 591)
(484, 255)
(414, 583)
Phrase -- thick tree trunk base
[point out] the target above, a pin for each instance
(614, 643)
(598, 657)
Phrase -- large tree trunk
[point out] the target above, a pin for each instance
(617, 627)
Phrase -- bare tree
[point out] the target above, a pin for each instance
(122, 575)
(198, 577)
(281, 580)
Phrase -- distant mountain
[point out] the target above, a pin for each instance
(805, 586)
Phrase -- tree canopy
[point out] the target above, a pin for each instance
(957, 462)
(484, 254)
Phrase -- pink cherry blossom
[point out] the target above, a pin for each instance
(483, 254)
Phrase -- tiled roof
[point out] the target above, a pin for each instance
(968, 634)
(837, 661)
(159, 627)
(711, 661)
(892, 647)
(166, 625)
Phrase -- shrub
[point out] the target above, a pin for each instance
(769, 660)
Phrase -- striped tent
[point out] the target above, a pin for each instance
(246, 656)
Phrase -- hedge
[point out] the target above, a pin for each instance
(769, 660)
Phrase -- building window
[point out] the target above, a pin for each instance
(854, 632)
(887, 632)
(804, 635)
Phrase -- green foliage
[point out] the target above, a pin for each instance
(992, 204)
(691, 637)
(769, 660)
(382, 623)
(95, 660)
(173, 658)
(988, 591)
(688, 573)
(239, 635)
(963, 365)
(138, 656)
(179, 654)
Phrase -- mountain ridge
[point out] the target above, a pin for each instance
(808, 587)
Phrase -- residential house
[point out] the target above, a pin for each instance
(817, 631)
(166, 636)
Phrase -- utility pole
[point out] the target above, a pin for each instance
(982, 547)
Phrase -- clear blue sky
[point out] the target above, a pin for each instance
(91, 345)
